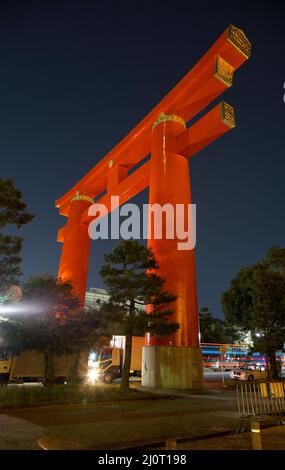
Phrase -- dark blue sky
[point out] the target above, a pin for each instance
(77, 76)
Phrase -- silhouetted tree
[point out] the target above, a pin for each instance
(255, 301)
(50, 320)
(131, 282)
(12, 213)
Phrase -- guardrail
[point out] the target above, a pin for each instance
(260, 399)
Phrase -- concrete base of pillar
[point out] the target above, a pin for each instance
(172, 367)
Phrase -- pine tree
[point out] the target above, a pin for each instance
(130, 278)
(12, 213)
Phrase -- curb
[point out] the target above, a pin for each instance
(161, 443)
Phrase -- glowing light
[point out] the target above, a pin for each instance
(93, 375)
(22, 308)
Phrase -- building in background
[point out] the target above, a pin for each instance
(94, 295)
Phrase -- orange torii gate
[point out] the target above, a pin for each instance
(163, 134)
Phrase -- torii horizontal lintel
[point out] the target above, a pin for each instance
(209, 128)
(212, 75)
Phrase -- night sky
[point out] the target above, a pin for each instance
(77, 76)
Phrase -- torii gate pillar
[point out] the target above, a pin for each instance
(175, 362)
(170, 184)
(74, 259)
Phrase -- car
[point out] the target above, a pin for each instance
(218, 366)
(249, 372)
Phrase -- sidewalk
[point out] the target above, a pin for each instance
(18, 434)
(271, 438)
(209, 391)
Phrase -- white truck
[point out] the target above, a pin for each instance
(106, 365)
(29, 367)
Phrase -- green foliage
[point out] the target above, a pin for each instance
(49, 321)
(13, 209)
(129, 275)
(63, 394)
(255, 301)
(36, 326)
(215, 330)
(275, 259)
(132, 283)
(13, 213)
(212, 329)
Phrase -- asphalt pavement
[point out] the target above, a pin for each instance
(131, 423)
(110, 425)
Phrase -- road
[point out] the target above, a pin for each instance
(216, 377)
(117, 424)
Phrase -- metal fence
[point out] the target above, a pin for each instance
(260, 399)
